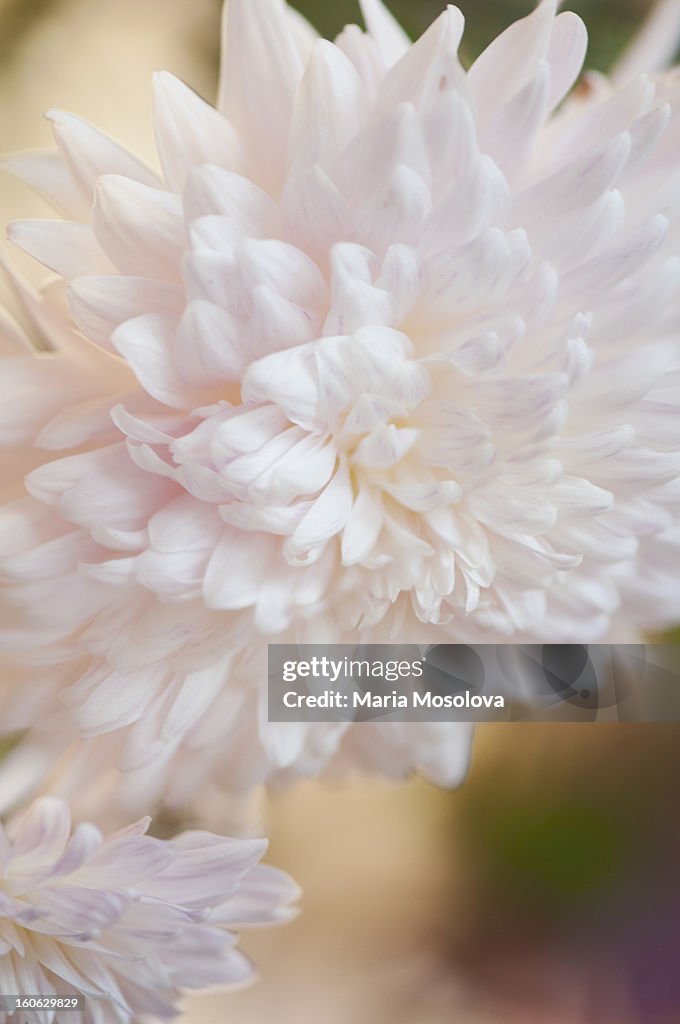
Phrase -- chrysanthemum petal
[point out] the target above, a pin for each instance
(189, 131)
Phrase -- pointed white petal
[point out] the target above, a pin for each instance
(329, 108)
(189, 131)
(497, 74)
(140, 228)
(47, 173)
(146, 342)
(428, 68)
(248, 211)
(390, 38)
(100, 304)
(261, 69)
(69, 249)
(566, 54)
(88, 153)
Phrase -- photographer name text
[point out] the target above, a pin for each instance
(391, 701)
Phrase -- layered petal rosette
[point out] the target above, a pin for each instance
(385, 349)
(128, 921)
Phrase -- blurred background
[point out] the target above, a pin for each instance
(545, 891)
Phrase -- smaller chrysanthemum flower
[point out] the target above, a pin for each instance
(126, 921)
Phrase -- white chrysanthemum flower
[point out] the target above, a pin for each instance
(127, 921)
(385, 350)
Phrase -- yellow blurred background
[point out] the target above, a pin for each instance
(545, 890)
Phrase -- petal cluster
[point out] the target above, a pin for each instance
(383, 349)
(127, 921)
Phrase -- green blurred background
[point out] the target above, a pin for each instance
(545, 891)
